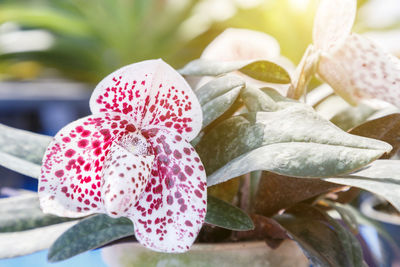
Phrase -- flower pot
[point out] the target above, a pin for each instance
(387, 252)
(222, 254)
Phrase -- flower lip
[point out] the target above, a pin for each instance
(136, 144)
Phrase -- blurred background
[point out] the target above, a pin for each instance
(53, 52)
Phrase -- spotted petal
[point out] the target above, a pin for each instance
(171, 210)
(125, 176)
(70, 179)
(333, 22)
(360, 70)
(152, 93)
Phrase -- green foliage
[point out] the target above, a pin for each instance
(261, 70)
(23, 213)
(222, 214)
(95, 37)
(323, 240)
(88, 234)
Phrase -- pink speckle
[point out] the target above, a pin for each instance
(59, 173)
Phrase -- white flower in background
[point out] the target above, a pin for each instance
(355, 67)
(242, 44)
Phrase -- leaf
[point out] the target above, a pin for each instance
(19, 165)
(255, 100)
(353, 116)
(386, 129)
(26, 242)
(293, 141)
(88, 234)
(23, 144)
(23, 212)
(218, 87)
(224, 215)
(276, 192)
(324, 241)
(381, 177)
(262, 70)
(101, 229)
(266, 71)
(44, 17)
(218, 106)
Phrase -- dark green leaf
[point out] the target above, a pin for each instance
(266, 71)
(324, 241)
(223, 214)
(88, 234)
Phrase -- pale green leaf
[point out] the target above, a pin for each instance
(26, 242)
(293, 141)
(381, 177)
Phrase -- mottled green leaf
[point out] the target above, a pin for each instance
(323, 240)
(293, 141)
(88, 234)
(23, 213)
(223, 214)
(255, 100)
(381, 177)
(26, 242)
(22, 151)
(219, 105)
(262, 70)
(218, 87)
(19, 165)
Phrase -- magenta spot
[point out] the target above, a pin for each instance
(85, 133)
(170, 200)
(59, 173)
(169, 182)
(198, 193)
(177, 154)
(96, 143)
(81, 161)
(64, 189)
(188, 223)
(176, 169)
(158, 189)
(87, 202)
(97, 151)
(130, 128)
(66, 139)
(178, 138)
(177, 194)
(186, 150)
(188, 170)
(183, 208)
(181, 176)
(83, 143)
(69, 153)
(79, 129)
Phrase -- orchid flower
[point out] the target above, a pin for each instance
(132, 158)
(351, 64)
(235, 44)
